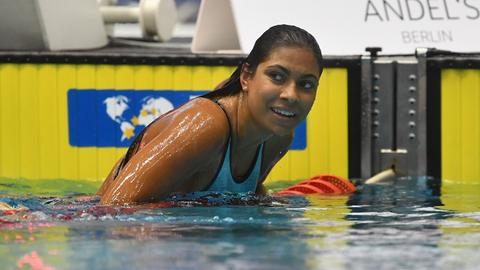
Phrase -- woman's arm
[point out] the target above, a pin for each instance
(261, 189)
(193, 135)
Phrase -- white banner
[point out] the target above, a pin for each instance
(345, 27)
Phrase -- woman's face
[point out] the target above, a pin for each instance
(282, 90)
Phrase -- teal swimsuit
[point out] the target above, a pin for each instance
(224, 180)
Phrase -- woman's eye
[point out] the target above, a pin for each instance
(277, 77)
(308, 85)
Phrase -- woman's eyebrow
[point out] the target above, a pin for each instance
(284, 69)
(287, 71)
(310, 76)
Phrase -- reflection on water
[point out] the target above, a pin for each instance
(409, 224)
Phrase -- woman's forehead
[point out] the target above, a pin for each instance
(293, 57)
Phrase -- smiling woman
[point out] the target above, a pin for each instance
(230, 138)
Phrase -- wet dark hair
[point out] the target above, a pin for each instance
(275, 37)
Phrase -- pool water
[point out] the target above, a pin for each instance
(413, 223)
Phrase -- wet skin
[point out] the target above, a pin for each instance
(182, 151)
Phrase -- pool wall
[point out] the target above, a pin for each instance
(55, 122)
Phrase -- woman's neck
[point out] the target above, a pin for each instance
(246, 131)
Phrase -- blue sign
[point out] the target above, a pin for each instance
(113, 118)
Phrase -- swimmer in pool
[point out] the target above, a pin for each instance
(229, 139)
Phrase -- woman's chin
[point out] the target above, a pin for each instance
(282, 131)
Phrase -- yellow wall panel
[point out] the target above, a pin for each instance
(124, 77)
(182, 78)
(68, 163)
(470, 132)
(338, 122)
(163, 77)
(299, 165)
(48, 119)
(10, 119)
(319, 128)
(144, 78)
(220, 74)
(202, 78)
(3, 96)
(460, 114)
(281, 171)
(29, 145)
(333, 124)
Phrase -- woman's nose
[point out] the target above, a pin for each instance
(289, 93)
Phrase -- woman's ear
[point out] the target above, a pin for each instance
(245, 76)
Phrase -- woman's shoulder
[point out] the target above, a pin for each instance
(196, 111)
(201, 105)
(202, 109)
(200, 117)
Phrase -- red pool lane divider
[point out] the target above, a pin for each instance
(325, 184)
